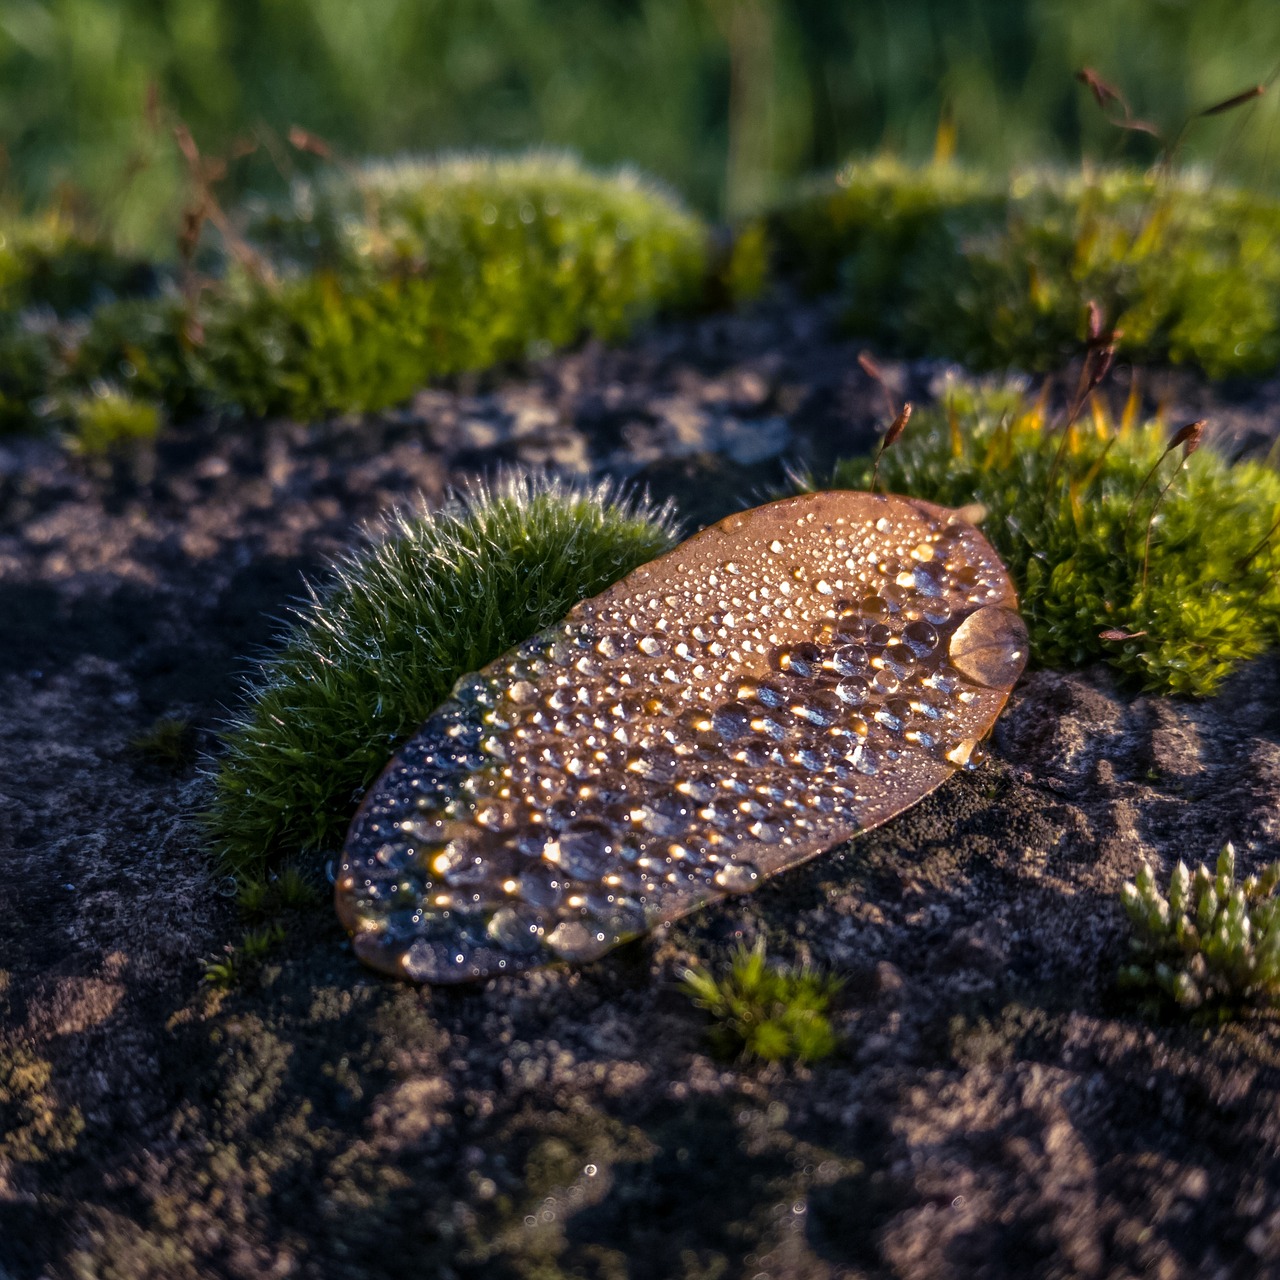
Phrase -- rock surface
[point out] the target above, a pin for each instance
(997, 1111)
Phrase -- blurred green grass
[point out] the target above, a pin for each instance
(728, 100)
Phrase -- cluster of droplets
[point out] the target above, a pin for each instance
(789, 677)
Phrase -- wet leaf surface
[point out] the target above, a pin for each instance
(785, 679)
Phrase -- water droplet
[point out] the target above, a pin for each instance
(516, 929)
(587, 785)
(737, 877)
(573, 940)
(990, 647)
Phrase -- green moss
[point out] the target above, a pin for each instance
(53, 274)
(240, 962)
(170, 741)
(370, 656)
(1211, 945)
(108, 419)
(371, 283)
(53, 262)
(287, 889)
(1073, 533)
(29, 367)
(765, 1011)
(997, 272)
(385, 278)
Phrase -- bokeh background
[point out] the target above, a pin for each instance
(730, 101)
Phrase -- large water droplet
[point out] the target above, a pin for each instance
(686, 734)
(990, 647)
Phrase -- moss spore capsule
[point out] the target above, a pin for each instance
(783, 680)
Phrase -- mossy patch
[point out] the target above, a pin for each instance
(765, 1011)
(368, 285)
(34, 1125)
(169, 742)
(107, 419)
(52, 261)
(54, 273)
(1071, 520)
(996, 271)
(370, 656)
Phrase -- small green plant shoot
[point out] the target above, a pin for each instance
(1210, 943)
(766, 1011)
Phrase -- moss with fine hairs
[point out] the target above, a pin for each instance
(996, 271)
(368, 657)
(1211, 945)
(1073, 531)
(766, 1011)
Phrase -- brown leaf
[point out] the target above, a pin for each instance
(727, 759)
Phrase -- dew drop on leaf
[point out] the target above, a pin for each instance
(773, 686)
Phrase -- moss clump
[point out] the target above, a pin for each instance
(383, 279)
(369, 657)
(53, 262)
(369, 284)
(1211, 944)
(168, 742)
(108, 419)
(34, 1125)
(53, 274)
(996, 272)
(1073, 531)
(238, 963)
(764, 1011)
(287, 889)
(275, 903)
